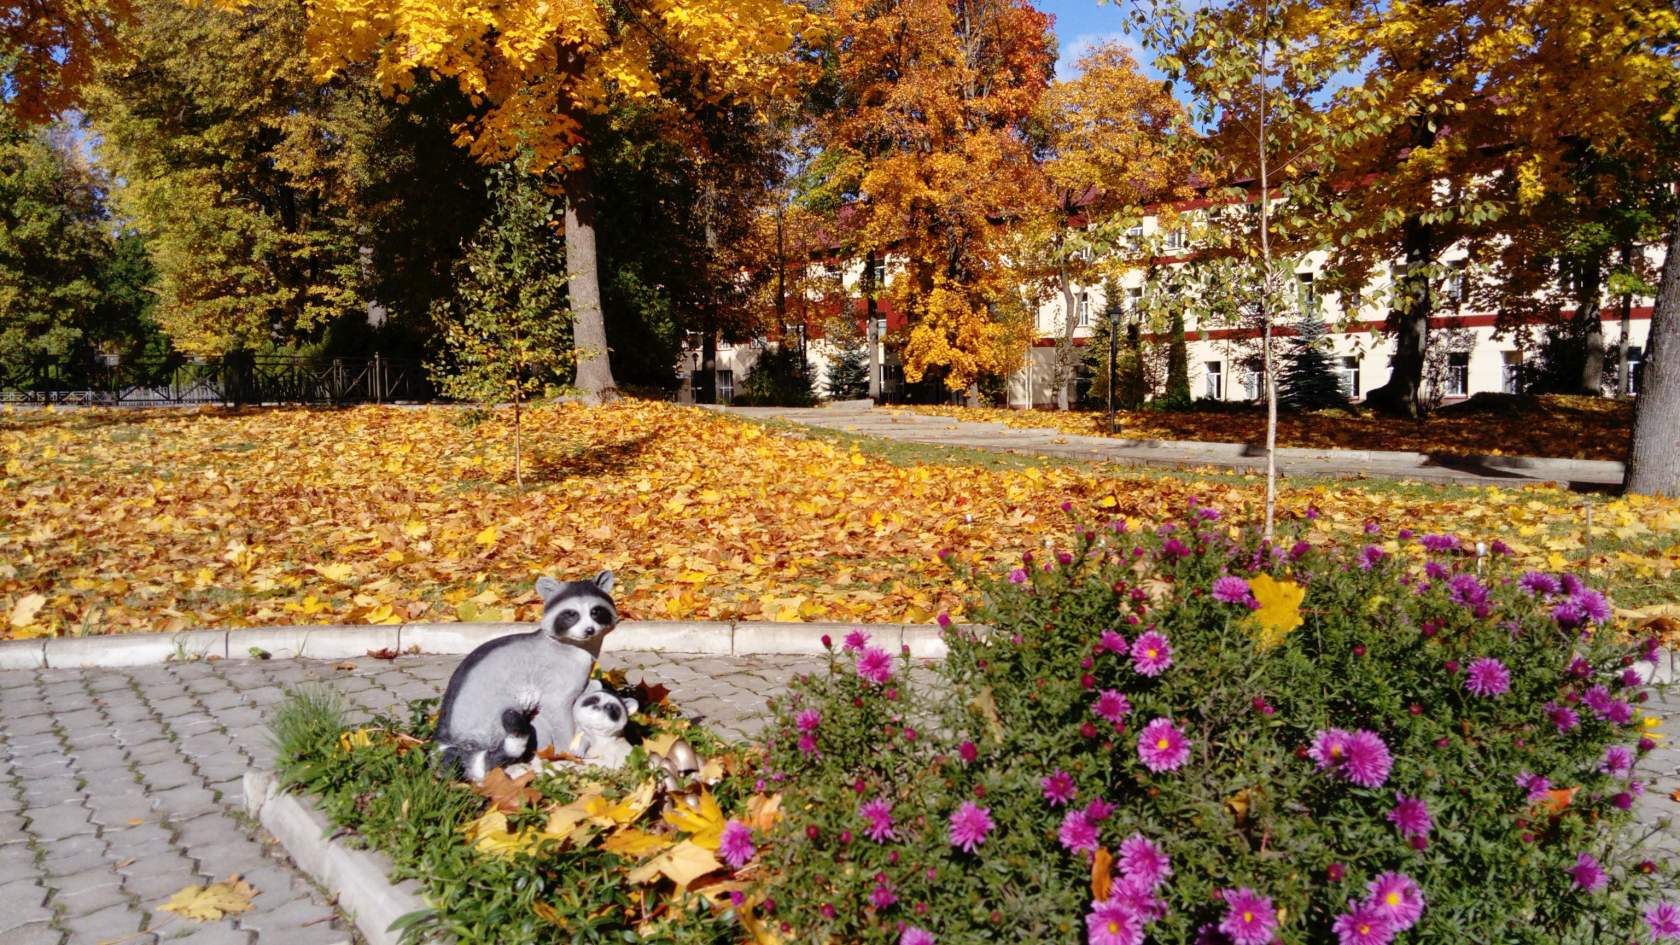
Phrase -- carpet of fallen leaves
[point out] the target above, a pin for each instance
(1493, 425)
(117, 521)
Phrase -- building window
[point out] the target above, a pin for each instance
(725, 386)
(878, 272)
(1134, 298)
(1134, 235)
(1306, 293)
(1455, 287)
(1216, 380)
(1635, 358)
(1175, 238)
(1511, 381)
(1458, 374)
(1347, 372)
(1251, 383)
(1084, 308)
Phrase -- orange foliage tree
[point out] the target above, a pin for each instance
(48, 50)
(926, 130)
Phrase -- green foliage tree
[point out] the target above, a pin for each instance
(1307, 381)
(505, 334)
(779, 378)
(848, 372)
(1178, 364)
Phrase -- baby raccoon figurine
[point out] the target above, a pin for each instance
(517, 746)
(600, 718)
(536, 676)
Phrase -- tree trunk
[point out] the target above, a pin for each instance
(518, 446)
(1403, 394)
(869, 327)
(1589, 306)
(1178, 363)
(1626, 307)
(583, 290)
(1654, 461)
(705, 388)
(971, 395)
(1064, 344)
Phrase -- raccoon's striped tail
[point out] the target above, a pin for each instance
(474, 762)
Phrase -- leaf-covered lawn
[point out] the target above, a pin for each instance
(1552, 425)
(117, 521)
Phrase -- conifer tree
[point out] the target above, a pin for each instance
(848, 373)
(1308, 381)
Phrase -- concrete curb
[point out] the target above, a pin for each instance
(711, 638)
(357, 879)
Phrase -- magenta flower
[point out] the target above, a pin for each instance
(1018, 576)
(879, 814)
(1249, 917)
(970, 825)
(1370, 556)
(856, 640)
(1588, 874)
(1398, 897)
(1110, 923)
(1142, 861)
(1663, 921)
(1231, 590)
(882, 895)
(1562, 716)
(1078, 834)
(1592, 604)
(1487, 677)
(1368, 760)
(1439, 543)
(1329, 749)
(915, 936)
(1538, 583)
(875, 665)
(1112, 642)
(808, 720)
(1151, 654)
(1618, 761)
(1411, 816)
(1536, 785)
(1058, 787)
(1598, 700)
(735, 844)
(968, 752)
(1139, 899)
(1363, 924)
(808, 745)
(1466, 591)
(1099, 810)
(1162, 747)
(1111, 706)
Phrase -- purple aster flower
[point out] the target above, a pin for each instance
(1139, 899)
(1363, 924)
(1537, 583)
(1370, 556)
(1630, 678)
(1207, 515)
(1151, 653)
(1597, 698)
(915, 936)
(1618, 761)
(1249, 917)
(882, 895)
(1329, 748)
(808, 720)
(1439, 543)
(856, 640)
(879, 814)
(1110, 923)
(1142, 861)
(1487, 677)
(1466, 591)
(1580, 668)
(1620, 713)
(1411, 816)
(1569, 614)
(1588, 874)
(1536, 785)
(1399, 898)
(808, 746)
(875, 665)
(1173, 548)
(1018, 576)
(1663, 921)
(1078, 834)
(1230, 590)
(1592, 604)
(1112, 642)
(1058, 787)
(1571, 584)
(1099, 810)
(735, 844)
(969, 826)
(1162, 747)
(1360, 757)
(1562, 716)
(1436, 571)
(1111, 706)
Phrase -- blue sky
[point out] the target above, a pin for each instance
(1081, 24)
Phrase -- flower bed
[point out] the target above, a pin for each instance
(1185, 735)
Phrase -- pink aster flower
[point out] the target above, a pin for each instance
(1411, 816)
(1562, 716)
(1539, 583)
(1018, 576)
(1142, 861)
(735, 844)
(1592, 604)
(875, 665)
(1111, 706)
(1109, 923)
(1535, 785)
(1231, 590)
(1663, 921)
(1618, 761)
(1112, 642)
(1249, 917)
(1139, 899)
(1099, 810)
(882, 895)
(1370, 556)
(1439, 543)
(1363, 924)
(1078, 834)
(808, 745)
(1367, 759)
(1588, 874)
(1151, 654)
(1162, 747)
(1598, 700)
(1398, 897)
(915, 936)
(856, 640)
(1329, 749)
(879, 814)
(808, 720)
(1487, 677)
(1058, 787)
(969, 826)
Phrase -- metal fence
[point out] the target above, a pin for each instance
(232, 380)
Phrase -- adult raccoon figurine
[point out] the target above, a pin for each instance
(543, 672)
(517, 746)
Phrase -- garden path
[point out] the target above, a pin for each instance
(857, 417)
(120, 786)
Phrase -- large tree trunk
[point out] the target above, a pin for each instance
(583, 290)
(869, 289)
(1589, 306)
(1064, 344)
(1626, 315)
(1654, 461)
(1403, 394)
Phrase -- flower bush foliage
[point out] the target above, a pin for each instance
(1187, 735)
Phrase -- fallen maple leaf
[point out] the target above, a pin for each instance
(508, 794)
(27, 606)
(704, 821)
(682, 864)
(208, 903)
(385, 654)
(1279, 611)
(1102, 875)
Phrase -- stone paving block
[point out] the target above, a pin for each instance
(18, 726)
(111, 922)
(73, 855)
(35, 933)
(157, 882)
(90, 900)
(20, 894)
(217, 933)
(186, 801)
(232, 854)
(172, 772)
(113, 812)
(298, 921)
(51, 824)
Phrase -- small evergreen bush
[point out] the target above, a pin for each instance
(1186, 735)
(848, 373)
(779, 378)
(1307, 381)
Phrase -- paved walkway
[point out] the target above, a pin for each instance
(120, 786)
(856, 417)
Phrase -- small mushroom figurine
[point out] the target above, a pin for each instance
(678, 765)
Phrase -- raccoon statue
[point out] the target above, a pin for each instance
(517, 746)
(600, 717)
(536, 676)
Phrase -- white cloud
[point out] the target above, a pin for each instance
(1071, 51)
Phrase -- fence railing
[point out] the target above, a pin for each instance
(232, 380)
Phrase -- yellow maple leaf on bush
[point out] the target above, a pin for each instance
(1280, 609)
(211, 902)
(682, 864)
(704, 821)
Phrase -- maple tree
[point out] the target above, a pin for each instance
(543, 72)
(49, 50)
(925, 131)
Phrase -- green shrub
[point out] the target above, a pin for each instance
(779, 378)
(1292, 762)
